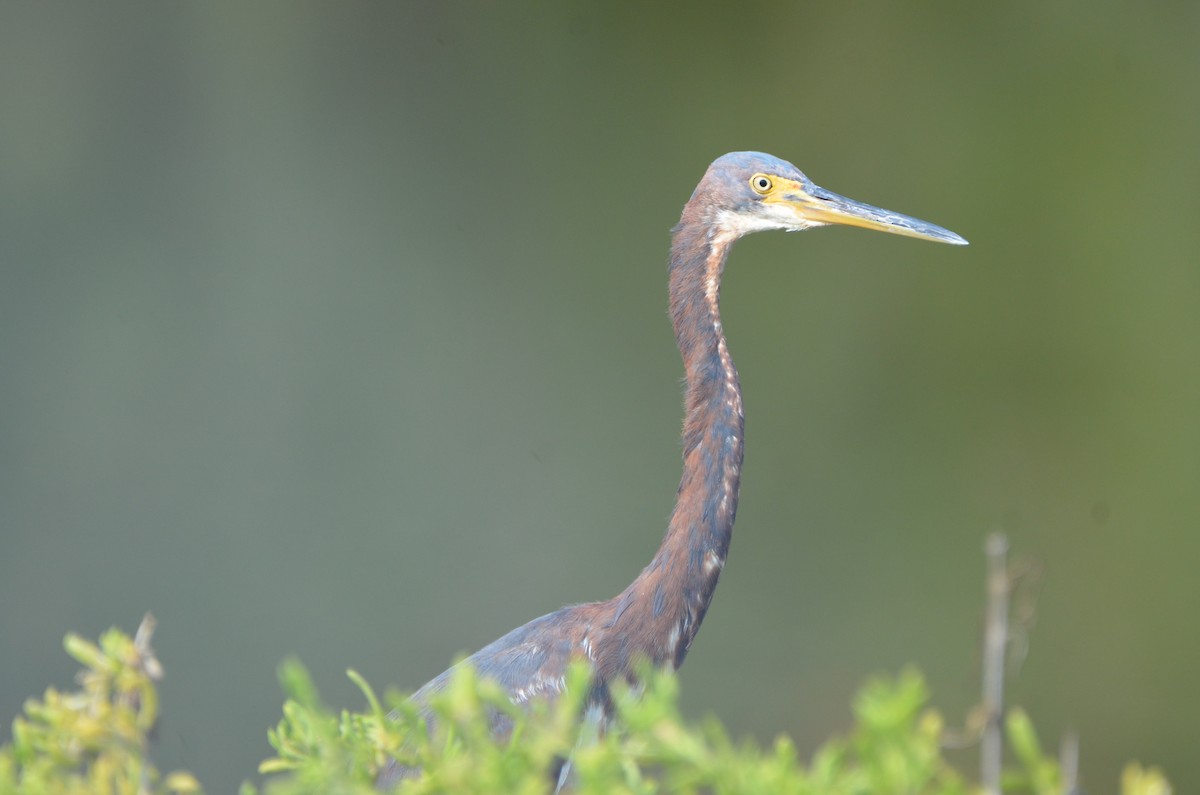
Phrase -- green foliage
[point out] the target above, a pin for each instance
(1138, 780)
(94, 741)
(895, 747)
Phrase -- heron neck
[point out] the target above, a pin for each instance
(667, 602)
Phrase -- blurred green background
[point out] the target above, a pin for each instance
(339, 329)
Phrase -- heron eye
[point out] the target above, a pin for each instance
(761, 183)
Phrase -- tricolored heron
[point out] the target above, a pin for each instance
(656, 618)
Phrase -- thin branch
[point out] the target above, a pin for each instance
(1068, 763)
(995, 645)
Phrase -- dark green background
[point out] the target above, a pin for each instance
(339, 330)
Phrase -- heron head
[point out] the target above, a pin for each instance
(751, 192)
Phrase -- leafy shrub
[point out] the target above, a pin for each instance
(94, 741)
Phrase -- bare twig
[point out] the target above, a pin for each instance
(1068, 763)
(141, 642)
(995, 645)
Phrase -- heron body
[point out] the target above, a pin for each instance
(656, 618)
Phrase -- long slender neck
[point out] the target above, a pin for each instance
(706, 504)
(660, 612)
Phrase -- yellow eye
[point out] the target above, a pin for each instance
(761, 183)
